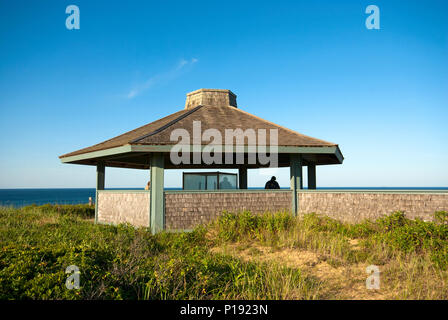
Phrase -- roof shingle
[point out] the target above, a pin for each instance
(210, 117)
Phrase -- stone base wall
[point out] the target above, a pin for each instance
(187, 210)
(123, 207)
(354, 207)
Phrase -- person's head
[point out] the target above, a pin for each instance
(273, 178)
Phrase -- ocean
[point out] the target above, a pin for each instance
(25, 197)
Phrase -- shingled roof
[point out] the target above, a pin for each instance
(214, 112)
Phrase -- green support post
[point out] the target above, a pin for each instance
(100, 182)
(242, 177)
(295, 164)
(157, 199)
(312, 176)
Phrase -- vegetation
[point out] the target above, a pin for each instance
(239, 256)
(122, 262)
(411, 254)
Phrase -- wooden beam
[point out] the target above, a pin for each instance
(312, 176)
(242, 177)
(157, 201)
(296, 180)
(100, 183)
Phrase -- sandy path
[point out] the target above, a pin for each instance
(339, 281)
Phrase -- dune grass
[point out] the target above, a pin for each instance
(121, 262)
(275, 256)
(411, 254)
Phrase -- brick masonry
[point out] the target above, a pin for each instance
(122, 207)
(187, 210)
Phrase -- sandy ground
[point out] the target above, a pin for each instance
(339, 281)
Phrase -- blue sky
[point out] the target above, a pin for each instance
(311, 66)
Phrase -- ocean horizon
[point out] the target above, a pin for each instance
(19, 197)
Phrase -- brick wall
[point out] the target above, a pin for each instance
(356, 206)
(121, 207)
(187, 210)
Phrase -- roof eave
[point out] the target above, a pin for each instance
(140, 148)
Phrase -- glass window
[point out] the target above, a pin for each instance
(194, 182)
(209, 181)
(212, 182)
(227, 181)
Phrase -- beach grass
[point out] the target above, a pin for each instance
(411, 255)
(122, 262)
(238, 256)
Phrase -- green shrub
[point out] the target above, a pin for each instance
(395, 220)
(441, 217)
(388, 236)
(402, 234)
(80, 210)
(233, 227)
(122, 262)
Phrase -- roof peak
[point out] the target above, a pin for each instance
(210, 97)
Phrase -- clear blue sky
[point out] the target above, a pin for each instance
(312, 66)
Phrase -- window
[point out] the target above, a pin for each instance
(227, 181)
(209, 181)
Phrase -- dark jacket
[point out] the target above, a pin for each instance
(272, 184)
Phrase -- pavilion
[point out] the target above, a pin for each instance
(150, 147)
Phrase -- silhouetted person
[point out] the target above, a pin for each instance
(225, 184)
(272, 184)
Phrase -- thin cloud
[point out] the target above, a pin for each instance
(160, 78)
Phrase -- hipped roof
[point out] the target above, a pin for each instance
(157, 133)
